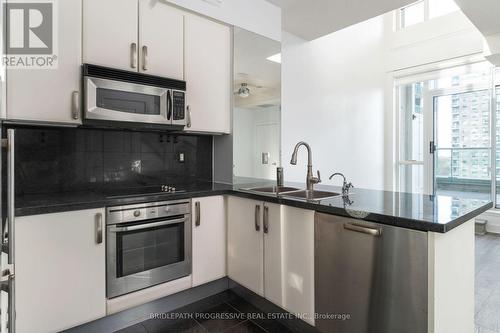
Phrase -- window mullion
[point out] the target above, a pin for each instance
(426, 10)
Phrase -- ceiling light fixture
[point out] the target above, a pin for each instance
(244, 92)
(275, 58)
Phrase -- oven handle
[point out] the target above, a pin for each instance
(146, 226)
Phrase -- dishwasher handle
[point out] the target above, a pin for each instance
(363, 229)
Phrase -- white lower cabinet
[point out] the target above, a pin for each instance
(271, 252)
(273, 259)
(59, 270)
(209, 239)
(245, 243)
(298, 262)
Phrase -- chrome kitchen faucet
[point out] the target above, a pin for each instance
(310, 179)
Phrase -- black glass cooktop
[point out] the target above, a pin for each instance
(141, 191)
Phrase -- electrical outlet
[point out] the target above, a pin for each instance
(181, 158)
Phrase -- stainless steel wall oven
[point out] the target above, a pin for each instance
(147, 244)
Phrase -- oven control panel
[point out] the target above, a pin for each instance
(138, 212)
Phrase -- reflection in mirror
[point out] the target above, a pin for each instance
(256, 107)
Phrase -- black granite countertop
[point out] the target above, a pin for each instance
(412, 211)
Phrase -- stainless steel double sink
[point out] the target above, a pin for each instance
(293, 192)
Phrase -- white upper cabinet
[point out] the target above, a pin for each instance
(207, 58)
(161, 39)
(110, 33)
(135, 35)
(51, 95)
(209, 239)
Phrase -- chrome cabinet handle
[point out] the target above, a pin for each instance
(145, 58)
(75, 104)
(197, 209)
(257, 217)
(266, 219)
(362, 229)
(98, 228)
(133, 55)
(188, 115)
(10, 234)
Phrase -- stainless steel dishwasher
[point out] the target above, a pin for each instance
(373, 273)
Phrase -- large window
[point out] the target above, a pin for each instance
(425, 10)
(445, 137)
(411, 122)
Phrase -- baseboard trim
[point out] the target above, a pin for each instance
(143, 312)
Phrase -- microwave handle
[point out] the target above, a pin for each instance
(169, 105)
(147, 225)
(75, 105)
(188, 116)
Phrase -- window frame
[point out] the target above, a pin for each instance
(400, 14)
(425, 75)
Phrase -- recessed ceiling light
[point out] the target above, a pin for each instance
(275, 58)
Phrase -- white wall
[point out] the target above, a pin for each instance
(245, 154)
(338, 92)
(258, 16)
(333, 98)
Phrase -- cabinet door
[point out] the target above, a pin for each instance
(245, 244)
(161, 39)
(209, 239)
(272, 253)
(60, 271)
(50, 94)
(298, 261)
(109, 31)
(207, 58)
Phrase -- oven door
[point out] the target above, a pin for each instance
(123, 101)
(147, 253)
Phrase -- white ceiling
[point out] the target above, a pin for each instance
(484, 14)
(311, 19)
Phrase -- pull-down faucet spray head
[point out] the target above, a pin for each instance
(293, 161)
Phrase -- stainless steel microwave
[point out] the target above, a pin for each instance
(132, 99)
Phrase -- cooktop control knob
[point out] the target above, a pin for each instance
(137, 213)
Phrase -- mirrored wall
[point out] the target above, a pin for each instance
(256, 106)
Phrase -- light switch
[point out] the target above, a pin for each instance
(265, 158)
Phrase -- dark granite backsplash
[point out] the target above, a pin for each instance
(50, 160)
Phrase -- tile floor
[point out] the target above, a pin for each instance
(487, 284)
(224, 312)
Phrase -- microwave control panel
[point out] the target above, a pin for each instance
(178, 105)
